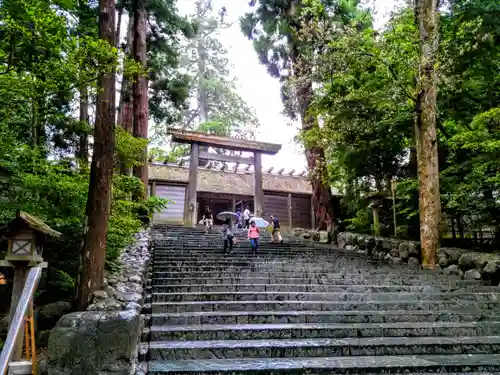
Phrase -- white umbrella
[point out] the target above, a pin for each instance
(259, 222)
(225, 215)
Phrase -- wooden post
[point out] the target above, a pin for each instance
(376, 222)
(153, 188)
(258, 191)
(313, 218)
(234, 205)
(20, 274)
(290, 210)
(393, 189)
(192, 188)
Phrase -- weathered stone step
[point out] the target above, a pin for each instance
(184, 243)
(322, 330)
(350, 267)
(311, 316)
(248, 256)
(270, 267)
(460, 364)
(243, 255)
(194, 306)
(290, 348)
(212, 256)
(376, 275)
(330, 288)
(323, 296)
(246, 250)
(449, 282)
(241, 262)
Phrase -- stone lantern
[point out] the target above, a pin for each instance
(375, 203)
(26, 234)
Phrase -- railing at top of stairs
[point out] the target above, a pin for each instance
(14, 336)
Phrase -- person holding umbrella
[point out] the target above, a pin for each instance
(228, 236)
(227, 232)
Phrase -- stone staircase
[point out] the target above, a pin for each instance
(296, 310)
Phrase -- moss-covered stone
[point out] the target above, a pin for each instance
(94, 343)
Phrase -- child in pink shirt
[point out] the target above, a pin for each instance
(253, 236)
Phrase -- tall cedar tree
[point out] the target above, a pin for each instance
(274, 27)
(93, 255)
(426, 18)
(125, 108)
(86, 26)
(140, 85)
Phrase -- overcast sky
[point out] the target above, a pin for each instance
(261, 91)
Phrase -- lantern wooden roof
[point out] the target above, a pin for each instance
(23, 219)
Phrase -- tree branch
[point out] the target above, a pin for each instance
(11, 56)
(391, 70)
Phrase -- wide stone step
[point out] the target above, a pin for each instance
(348, 267)
(268, 317)
(212, 242)
(452, 283)
(234, 263)
(298, 269)
(460, 364)
(379, 276)
(323, 296)
(215, 247)
(290, 348)
(219, 255)
(322, 330)
(246, 251)
(198, 306)
(267, 287)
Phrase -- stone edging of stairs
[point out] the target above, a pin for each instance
(105, 338)
(467, 264)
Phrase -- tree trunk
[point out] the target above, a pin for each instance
(83, 142)
(315, 154)
(140, 86)
(125, 109)
(413, 164)
(201, 83)
(323, 210)
(425, 132)
(119, 26)
(93, 254)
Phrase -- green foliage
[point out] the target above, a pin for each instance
(214, 104)
(365, 98)
(44, 63)
(50, 52)
(61, 282)
(58, 195)
(129, 149)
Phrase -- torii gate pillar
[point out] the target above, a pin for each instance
(191, 216)
(258, 194)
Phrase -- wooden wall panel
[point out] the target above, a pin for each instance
(301, 211)
(277, 205)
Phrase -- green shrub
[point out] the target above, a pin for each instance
(56, 192)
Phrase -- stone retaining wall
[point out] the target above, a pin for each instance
(104, 340)
(470, 265)
(392, 250)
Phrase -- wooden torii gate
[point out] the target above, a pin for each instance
(197, 139)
